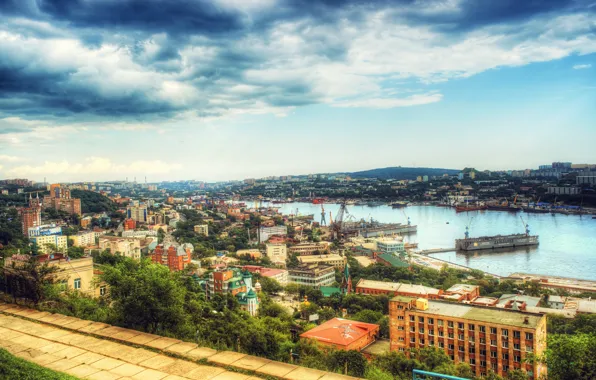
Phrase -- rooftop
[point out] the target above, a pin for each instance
(462, 288)
(393, 260)
(397, 287)
(479, 313)
(529, 300)
(340, 331)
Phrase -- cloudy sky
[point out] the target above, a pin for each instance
(230, 89)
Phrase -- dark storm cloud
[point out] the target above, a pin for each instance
(37, 88)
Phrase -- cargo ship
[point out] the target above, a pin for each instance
(399, 204)
(318, 201)
(465, 208)
(494, 242)
(504, 208)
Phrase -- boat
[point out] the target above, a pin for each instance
(466, 208)
(493, 242)
(317, 201)
(504, 208)
(536, 210)
(399, 204)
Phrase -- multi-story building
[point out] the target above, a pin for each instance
(139, 233)
(266, 232)
(46, 243)
(336, 261)
(305, 249)
(280, 275)
(202, 229)
(315, 275)
(74, 274)
(137, 212)
(30, 217)
(485, 338)
(46, 229)
(129, 247)
(83, 239)
(396, 288)
(174, 256)
(277, 253)
(237, 283)
(61, 200)
(389, 246)
(129, 224)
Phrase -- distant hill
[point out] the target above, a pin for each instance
(93, 202)
(399, 172)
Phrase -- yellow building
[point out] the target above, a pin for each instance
(45, 242)
(83, 239)
(202, 229)
(336, 261)
(129, 247)
(277, 253)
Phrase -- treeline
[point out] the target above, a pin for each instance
(93, 202)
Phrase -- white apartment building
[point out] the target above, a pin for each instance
(83, 239)
(277, 253)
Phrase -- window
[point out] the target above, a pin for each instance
(529, 336)
(400, 317)
(452, 357)
(400, 328)
(505, 356)
(471, 327)
(505, 344)
(516, 346)
(431, 333)
(102, 290)
(441, 333)
(400, 307)
(412, 329)
(472, 350)
(471, 339)
(505, 332)
(440, 322)
(421, 319)
(460, 326)
(431, 321)
(528, 348)
(493, 330)
(412, 318)
(505, 368)
(460, 337)
(493, 342)
(517, 358)
(461, 348)
(483, 352)
(401, 349)
(450, 335)
(483, 363)
(493, 354)
(472, 361)
(441, 345)
(449, 323)
(516, 334)
(495, 366)
(421, 330)
(482, 329)
(482, 340)
(63, 285)
(431, 342)
(401, 338)
(413, 340)
(461, 358)
(77, 283)
(422, 341)
(451, 346)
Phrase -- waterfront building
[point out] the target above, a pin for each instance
(314, 275)
(485, 338)
(137, 212)
(83, 239)
(305, 249)
(237, 283)
(396, 288)
(266, 232)
(60, 199)
(277, 253)
(389, 246)
(336, 261)
(129, 247)
(564, 190)
(202, 229)
(343, 334)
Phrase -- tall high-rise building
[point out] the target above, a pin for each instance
(60, 199)
(137, 212)
(30, 217)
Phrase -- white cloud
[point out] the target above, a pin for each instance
(93, 167)
(414, 100)
(584, 66)
(5, 158)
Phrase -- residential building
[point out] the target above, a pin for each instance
(343, 334)
(266, 232)
(280, 275)
(129, 224)
(175, 256)
(314, 275)
(585, 179)
(30, 217)
(74, 274)
(46, 229)
(139, 233)
(485, 338)
(564, 190)
(277, 253)
(397, 289)
(83, 239)
(252, 252)
(137, 212)
(60, 199)
(237, 283)
(45, 243)
(202, 229)
(129, 247)
(304, 249)
(336, 261)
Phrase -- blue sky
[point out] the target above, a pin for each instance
(231, 89)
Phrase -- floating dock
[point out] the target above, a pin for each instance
(493, 242)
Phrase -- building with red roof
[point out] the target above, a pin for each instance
(343, 334)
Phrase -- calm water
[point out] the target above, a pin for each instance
(567, 243)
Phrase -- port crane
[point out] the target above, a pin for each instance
(337, 225)
(526, 225)
(323, 221)
(468, 226)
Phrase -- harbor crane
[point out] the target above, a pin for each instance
(468, 226)
(526, 225)
(323, 221)
(336, 227)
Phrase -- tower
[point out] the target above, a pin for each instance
(323, 221)
(346, 280)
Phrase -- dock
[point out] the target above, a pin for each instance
(436, 250)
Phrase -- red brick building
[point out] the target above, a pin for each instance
(130, 224)
(30, 217)
(343, 334)
(175, 257)
(60, 199)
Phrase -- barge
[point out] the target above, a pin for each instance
(494, 242)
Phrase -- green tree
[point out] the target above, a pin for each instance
(29, 278)
(571, 357)
(270, 285)
(350, 362)
(517, 374)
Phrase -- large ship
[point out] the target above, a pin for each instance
(504, 208)
(468, 207)
(494, 242)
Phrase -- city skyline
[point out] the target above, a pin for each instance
(228, 89)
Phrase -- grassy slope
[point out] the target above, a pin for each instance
(12, 367)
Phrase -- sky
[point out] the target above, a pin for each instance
(216, 90)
